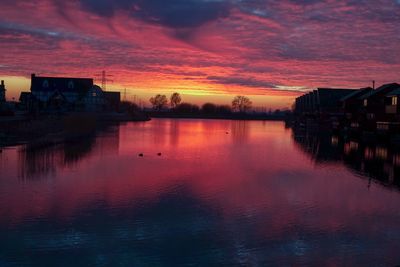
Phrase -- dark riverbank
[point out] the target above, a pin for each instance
(230, 116)
(47, 130)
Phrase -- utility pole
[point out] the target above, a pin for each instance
(104, 79)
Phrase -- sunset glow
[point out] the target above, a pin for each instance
(209, 51)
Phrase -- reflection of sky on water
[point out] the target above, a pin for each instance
(222, 193)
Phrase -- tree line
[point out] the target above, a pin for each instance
(239, 104)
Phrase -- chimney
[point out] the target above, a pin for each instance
(33, 75)
(373, 84)
(2, 83)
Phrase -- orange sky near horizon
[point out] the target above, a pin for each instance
(190, 93)
(209, 51)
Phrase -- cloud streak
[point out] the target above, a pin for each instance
(175, 13)
(213, 45)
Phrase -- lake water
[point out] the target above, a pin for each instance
(222, 193)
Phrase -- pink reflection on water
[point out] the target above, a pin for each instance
(243, 168)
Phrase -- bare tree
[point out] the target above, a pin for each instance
(158, 101)
(175, 100)
(241, 103)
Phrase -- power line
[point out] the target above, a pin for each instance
(104, 79)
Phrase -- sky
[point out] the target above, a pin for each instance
(207, 50)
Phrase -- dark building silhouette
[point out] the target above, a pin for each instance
(113, 99)
(364, 111)
(46, 89)
(2, 92)
(322, 101)
(376, 101)
(27, 100)
(64, 93)
(379, 108)
(352, 102)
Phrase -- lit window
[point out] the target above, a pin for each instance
(365, 102)
(394, 100)
(94, 94)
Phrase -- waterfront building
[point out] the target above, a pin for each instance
(68, 94)
(59, 90)
(352, 102)
(322, 101)
(377, 104)
(362, 111)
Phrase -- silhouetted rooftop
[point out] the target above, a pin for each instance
(395, 92)
(356, 94)
(380, 90)
(61, 84)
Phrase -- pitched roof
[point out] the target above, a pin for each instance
(380, 90)
(61, 84)
(25, 96)
(395, 92)
(357, 93)
(335, 92)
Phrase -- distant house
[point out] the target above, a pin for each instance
(365, 110)
(62, 93)
(322, 101)
(329, 99)
(93, 99)
(2, 92)
(392, 103)
(378, 103)
(59, 91)
(352, 102)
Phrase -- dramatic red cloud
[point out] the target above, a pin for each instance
(208, 50)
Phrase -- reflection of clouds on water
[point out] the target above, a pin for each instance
(149, 232)
(175, 229)
(206, 201)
